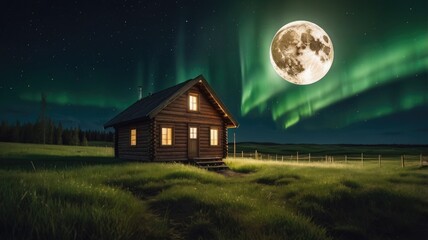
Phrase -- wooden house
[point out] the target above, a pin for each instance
(184, 122)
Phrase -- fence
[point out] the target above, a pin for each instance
(404, 160)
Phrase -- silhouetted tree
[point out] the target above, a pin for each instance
(3, 131)
(50, 131)
(75, 141)
(38, 132)
(14, 132)
(84, 140)
(43, 119)
(55, 134)
(58, 134)
(27, 133)
(66, 137)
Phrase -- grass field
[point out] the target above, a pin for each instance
(83, 193)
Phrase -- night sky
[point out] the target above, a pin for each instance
(89, 57)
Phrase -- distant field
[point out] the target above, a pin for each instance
(84, 193)
(100, 144)
(24, 156)
(332, 150)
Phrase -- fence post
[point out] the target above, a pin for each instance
(282, 158)
(362, 159)
(276, 157)
(234, 145)
(326, 160)
(309, 156)
(402, 161)
(255, 155)
(346, 158)
(420, 160)
(297, 157)
(380, 161)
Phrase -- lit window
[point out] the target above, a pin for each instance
(193, 133)
(214, 137)
(133, 137)
(166, 136)
(193, 102)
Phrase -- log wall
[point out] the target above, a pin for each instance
(177, 115)
(141, 151)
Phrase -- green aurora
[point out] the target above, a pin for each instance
(379, 69)
(373, 68)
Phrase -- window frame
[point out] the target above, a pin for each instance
(218, 136)
(190, 132)
(130, 136)
(196, 95)
(172, 135)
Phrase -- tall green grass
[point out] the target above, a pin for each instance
(103, 198)
(30, 156)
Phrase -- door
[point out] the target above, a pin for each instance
(193, 142)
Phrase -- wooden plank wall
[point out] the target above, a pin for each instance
(177, 151)
(224, 141)
(176, 114)
(139, 152)
(205, 149)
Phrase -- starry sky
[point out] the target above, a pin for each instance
(89, 57)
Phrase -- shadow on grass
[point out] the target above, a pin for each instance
(367, 214)
(196, 218)
(144, 189)
(278, 179)
(246, 168)
(46, 162)
(412, 179)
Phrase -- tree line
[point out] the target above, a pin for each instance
(45, 131)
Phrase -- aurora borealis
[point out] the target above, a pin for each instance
(89, 58)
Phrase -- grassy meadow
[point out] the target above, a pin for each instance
(64, 192)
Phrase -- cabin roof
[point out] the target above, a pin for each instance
(150, 106)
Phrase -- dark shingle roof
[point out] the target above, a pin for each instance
(149, 106)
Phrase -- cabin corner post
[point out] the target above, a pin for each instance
(116, 143)
(225, 145)
(153, 140)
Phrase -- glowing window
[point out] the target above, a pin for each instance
(214, 137)
(193, 133)
(193, 102)
(133, 137)
(166, 136)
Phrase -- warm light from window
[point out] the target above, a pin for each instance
(166, 136)
(193, 133)
(214, 137)
(193, 103)
(133, 137)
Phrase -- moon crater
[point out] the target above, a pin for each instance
(301, 52)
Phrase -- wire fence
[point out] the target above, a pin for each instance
(403, 160)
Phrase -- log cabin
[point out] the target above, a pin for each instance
(186, 122)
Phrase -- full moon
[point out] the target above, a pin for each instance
(301, 52)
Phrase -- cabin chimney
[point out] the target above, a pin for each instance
(140, 92)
